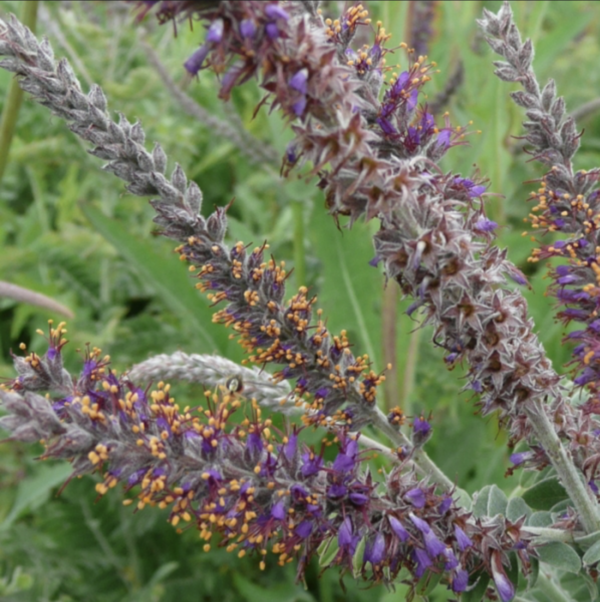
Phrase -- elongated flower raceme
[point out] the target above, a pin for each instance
(567, 204)
(434, 238)
(567, 201)
(252, 287)
(377, 158)
(244, 485)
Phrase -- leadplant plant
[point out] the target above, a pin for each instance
(371, 143)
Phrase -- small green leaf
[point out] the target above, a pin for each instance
(545, 494)
(587, 541)
(327, 551)
(357, 559)
(539, 519)
(497, 501)
(560, 555)
(480, 501)
(592, 555)
(516, 509)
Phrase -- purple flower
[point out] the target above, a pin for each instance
(304, 529)
(291, 447)
(485, 225)
(432, 543)
(443, 138)
(445, 505)
(374, 549)
(247, 28)
(416, 497)
(386, 126)
(346, 538)
(215, 32)
(420, 425)
(462, 539)
(298, 81)
(358, 499)
(423, 561)
(274, 11)
(311, 464)
(336, 491)
(460, 581)
(278, 511)
(521, 457)
(474, 190)
(451, 560)
(194, 63)
(505, 588)
(398, 529)
(412, 100)
(272, 30)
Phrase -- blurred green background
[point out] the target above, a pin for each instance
(70, 231)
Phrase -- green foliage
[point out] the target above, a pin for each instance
(68, 230)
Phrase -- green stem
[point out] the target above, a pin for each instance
(551, 589)
(14, 97)
(547, 534)
(410, 370)
(569, 475)
(423, 462)
(299, 254)
(389, 341)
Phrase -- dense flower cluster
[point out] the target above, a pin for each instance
(435, 237)
(246, 486)
(272, 333)
(567, 204)
(567, 201)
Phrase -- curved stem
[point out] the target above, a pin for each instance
(423, 462)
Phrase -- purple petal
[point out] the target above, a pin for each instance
(420, 524)
(272, 30)
(274, 11)
(484, 224)
(278, 511)
(462, 539)
(423, 561)
(416, 497)
(304, 529)
(247, 28)
(375, 550)
(194, 63)
(433, 545)
(460, 581)
(215, 31)
(398, 529)
(298, 81)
